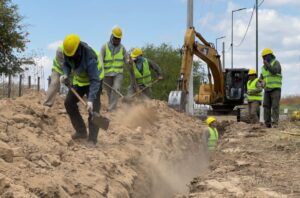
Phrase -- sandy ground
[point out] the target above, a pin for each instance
(252, 161)
(148, 151)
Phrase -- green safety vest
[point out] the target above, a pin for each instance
(56, 66)
(113, 63)
(272, 81)
(82, 79)
(251, 86)
(213, 138)
(145, 78)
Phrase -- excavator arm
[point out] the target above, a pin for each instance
(208, 93)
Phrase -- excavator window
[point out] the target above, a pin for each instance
(234, 85)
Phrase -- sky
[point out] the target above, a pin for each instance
(156, 21)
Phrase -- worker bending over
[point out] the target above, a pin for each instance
(82, 62)
(254, 95)
(141, 73)
(113, 56)
(271, 75)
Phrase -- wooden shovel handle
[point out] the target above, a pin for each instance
(141, 90)
(77, 95)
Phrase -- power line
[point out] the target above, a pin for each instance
(247, 28)
(260, 3)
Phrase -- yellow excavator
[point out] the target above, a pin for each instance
(225, 88)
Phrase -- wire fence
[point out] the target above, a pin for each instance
(16, 85)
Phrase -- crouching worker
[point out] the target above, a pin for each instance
(210, 136)
(82, 62)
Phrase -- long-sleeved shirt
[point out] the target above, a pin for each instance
(60, 56)
(275, 69)
(114, 50)
(153, 66)
(87, 62)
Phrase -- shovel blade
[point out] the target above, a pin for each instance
(100, 121)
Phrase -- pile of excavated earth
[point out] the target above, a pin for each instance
(149, 150)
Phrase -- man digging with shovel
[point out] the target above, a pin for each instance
(142, 74)
(82, 61)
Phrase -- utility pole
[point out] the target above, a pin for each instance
(190, 99)
(223, 55)
(256, 9)
(217, 41)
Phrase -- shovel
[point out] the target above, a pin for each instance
(119, 93)
(128, 98)
(97, 119)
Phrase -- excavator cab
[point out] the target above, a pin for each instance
(235, 85)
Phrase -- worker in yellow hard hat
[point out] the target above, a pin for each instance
(211, 135)
(114, 57)
(141, 73)
(82, 62)
(254, 95)
(272, 76)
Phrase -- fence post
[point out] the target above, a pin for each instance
(38, 85)
(49, 81)
(29, 82)
(9, 86)
(20, 85)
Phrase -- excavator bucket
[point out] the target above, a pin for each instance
(177, 100)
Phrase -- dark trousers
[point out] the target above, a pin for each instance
(253, 111)
(71, 105)
(271, 106)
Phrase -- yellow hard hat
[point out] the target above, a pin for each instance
(136, 52)
(251, 72)
(266, 51)
(71, 44)
(117, 32)
(210, 119)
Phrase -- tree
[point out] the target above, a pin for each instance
(13, 39)
(169, 60)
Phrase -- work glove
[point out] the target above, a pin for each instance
(89, 106)
(64, 79)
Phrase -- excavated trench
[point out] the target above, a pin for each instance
(149, 150)
(167, 172)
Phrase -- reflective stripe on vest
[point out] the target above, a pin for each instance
(271, 80)
(213, 138)
(145, 78)
(251, 86)
(56, 66)
(82, 79)
(113, 63)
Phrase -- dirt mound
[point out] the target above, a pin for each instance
(148, 151)
(252, 161)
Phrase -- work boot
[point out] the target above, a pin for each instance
(275, 125)
(268, 125)
(91, 144)
(77, 135)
